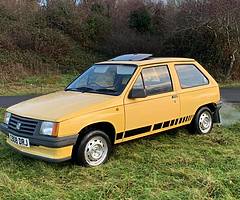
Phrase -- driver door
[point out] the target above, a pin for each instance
(148, 115)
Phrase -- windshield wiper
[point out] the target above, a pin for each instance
(88, 89)
(80, 89)
(106, 90)
(69, 89)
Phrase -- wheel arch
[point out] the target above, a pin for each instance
(103, 126)
(213, 108)
(193, 126)
(107, 127)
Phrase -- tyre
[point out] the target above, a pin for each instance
(93, 149)
(202, 122)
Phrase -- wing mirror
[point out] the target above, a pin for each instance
(137, 93)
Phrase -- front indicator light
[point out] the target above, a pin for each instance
(7, 117)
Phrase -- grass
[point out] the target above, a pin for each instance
(230, 84)
(174, 165)
(36, 85)
(20, 75)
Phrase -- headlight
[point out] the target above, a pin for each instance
(49, 128)
(7, 117)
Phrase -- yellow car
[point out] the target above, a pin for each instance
(128, 97)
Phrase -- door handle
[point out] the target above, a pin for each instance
(174, 96)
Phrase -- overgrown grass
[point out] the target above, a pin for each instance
(174, 165)
(230, 84)
(36, 85)
(20, 75)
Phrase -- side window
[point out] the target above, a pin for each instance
(139, 83)
(157, 80)
(190, 76)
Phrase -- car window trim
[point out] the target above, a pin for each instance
(163, 65)
(118, 94)
(195, 85)
(141, 79)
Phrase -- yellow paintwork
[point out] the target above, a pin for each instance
(74, 110)
(61, 106)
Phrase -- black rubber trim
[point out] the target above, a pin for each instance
(216, 114)
(196, 67)
(41, 157)
(39, 140)
(137, 131)
(119, 136)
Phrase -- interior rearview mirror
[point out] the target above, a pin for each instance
(137, 93)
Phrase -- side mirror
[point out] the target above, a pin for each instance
(137, 93)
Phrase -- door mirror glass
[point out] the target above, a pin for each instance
(137, 93)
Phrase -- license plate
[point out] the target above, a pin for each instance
(19, 140)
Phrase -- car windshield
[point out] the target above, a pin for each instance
(104, 79)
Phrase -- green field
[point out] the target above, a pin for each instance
(173, 165)
(230, 84)
(36, 85)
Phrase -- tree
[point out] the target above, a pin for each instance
(140, 20)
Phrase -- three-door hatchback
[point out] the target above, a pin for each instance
(122, 99)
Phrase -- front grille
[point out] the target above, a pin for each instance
(22, 125)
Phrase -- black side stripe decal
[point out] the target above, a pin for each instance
(137, 131)
(172, 122)
(157, 126)
(119, 136)
(166, 124)
(184, 119)
(180, 121)
(176, 122)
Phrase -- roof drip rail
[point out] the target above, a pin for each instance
(132, 57)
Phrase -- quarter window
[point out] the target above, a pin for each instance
(190, 76)
(139, 83)
(157, 80)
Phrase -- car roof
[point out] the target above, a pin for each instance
(152, 60)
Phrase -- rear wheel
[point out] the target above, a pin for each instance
(203, 121)
(93, 149)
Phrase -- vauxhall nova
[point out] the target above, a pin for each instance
(115, 101)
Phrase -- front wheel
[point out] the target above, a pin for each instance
(93, 149)
(203, 121)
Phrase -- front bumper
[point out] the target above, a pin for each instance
(42, 147)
